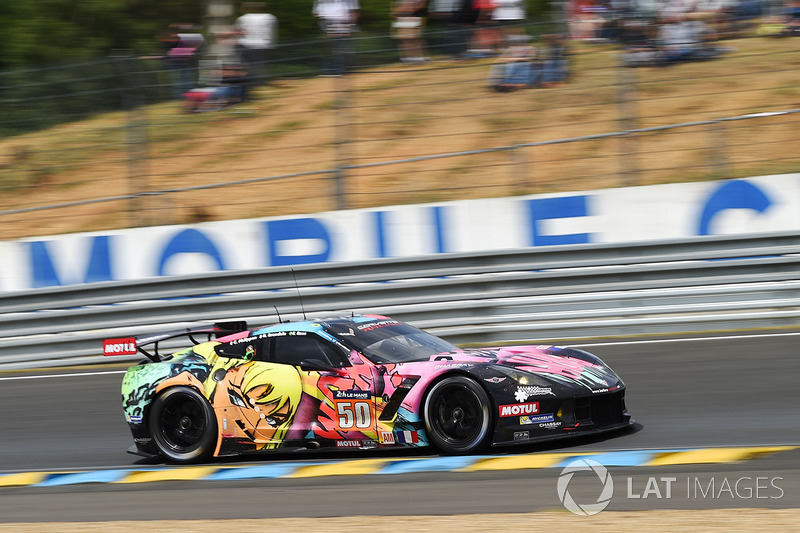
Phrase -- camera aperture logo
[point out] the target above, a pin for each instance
(585, 509)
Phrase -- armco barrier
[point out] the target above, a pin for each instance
(553, 293)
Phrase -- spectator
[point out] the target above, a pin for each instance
(792, 17)
(408, 29)
(181, 58)
(555, 67)
(257, 34)
(585, 19)
(337, 19)
(517, 67)
(640, 48)
(455, 35)
(509, 15)
(783, 25)
(230, 88)
(485, 40)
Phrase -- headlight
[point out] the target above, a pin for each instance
(521, 377)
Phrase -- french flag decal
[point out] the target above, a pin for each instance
(407, 437)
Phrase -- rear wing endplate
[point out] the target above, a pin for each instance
(134, 345)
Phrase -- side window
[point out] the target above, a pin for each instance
(293, 350)
(249, 350)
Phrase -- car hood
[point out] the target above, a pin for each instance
(566, 367)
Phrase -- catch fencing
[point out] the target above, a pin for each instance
(549, 294)
(385, 133)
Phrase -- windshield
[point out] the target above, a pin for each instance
(389, 341)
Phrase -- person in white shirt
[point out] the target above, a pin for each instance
(510, 16)
(337, 19)
(336, 16)
(257, 33)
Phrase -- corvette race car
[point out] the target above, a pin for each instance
(362, 382)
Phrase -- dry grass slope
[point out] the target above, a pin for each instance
(403, 112)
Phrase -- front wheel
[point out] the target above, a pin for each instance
(183, 425)
(457, 416)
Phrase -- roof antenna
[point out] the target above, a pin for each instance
(280, 320)
(298, 295)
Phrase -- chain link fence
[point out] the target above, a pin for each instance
(103, 145)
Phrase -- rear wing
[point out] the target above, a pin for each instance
(134, 345)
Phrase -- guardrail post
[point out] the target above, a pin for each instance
(626, 107)
(717, 149)
(342, 117)
(135, 136)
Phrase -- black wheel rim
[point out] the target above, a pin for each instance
(182, 423)
(457, 415)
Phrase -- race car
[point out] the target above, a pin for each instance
(355, 382)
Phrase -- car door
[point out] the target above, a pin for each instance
(338, 400)
(255, 399)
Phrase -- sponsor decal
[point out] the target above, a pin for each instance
(496, 379)
(526, 391)
(348, 443)
(376, 325)
(550, 425)
(135, 419)
(252, 338)
(398, 437)
(535, 419)
(598, 391)
(454, 365)
(520, 409)
(125, 346)
(407, 437)
(350, 395)
(521, 435)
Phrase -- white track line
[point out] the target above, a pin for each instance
(687, 339)
(43, 376)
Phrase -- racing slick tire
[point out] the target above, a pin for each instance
(183, 425)
(457, 416)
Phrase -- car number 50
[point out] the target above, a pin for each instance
(354, 414)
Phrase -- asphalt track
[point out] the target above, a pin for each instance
(686, 393)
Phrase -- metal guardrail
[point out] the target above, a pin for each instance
(552, 293)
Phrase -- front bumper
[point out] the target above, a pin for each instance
(565, 417)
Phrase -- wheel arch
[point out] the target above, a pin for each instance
(458, 372)
(148, 408)
(493, 419)
(147, 415)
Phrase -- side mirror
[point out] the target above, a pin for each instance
(317, 365)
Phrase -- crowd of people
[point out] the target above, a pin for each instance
(650, 32)
(663, 32)
(242, 58)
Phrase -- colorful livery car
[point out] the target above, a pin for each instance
(355, 382)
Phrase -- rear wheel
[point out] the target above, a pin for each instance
(183, 425)
(457, 415)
